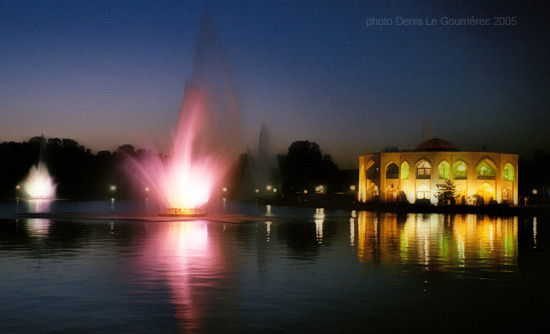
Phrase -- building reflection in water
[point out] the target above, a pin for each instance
(182, 255)
(439, 242)
(352, 227)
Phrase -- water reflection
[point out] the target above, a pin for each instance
(38, 228)
(182, 255)
(272, 276)
(534, 232)
(268, 230)
(439, 242)
(319, 220)
(34, 205)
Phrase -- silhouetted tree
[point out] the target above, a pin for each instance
(391, 149)
(304, 167)
(535, 175)
(77, 172)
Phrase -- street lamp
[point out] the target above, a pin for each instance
(113, 189)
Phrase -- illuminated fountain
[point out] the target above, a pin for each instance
(39, 183)
(206, 140)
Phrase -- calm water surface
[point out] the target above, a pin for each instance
(294, 271)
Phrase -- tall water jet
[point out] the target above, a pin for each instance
(39, 184)
(206, 139)
(266, 160)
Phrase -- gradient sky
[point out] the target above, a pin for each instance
(107, 73)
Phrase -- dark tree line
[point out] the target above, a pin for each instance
(78, 173)
(304, 167)
(81, 174)
(296, 176)
(534, 178)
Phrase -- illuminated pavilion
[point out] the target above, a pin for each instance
(481, 178)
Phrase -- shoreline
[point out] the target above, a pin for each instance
(492, 210)
(220, 218)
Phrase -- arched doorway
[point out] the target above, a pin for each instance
(391, 194)
(507, 195)
(372, 192)
(485, 194)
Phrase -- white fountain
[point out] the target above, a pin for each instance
(39, 183)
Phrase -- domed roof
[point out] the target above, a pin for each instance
(436, 144)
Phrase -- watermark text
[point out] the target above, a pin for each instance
(441, 21)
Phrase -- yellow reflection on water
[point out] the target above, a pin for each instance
(441, 242)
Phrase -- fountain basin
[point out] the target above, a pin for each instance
(185, 212)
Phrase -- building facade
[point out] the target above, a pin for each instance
(480, 178)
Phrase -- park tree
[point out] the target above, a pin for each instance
(305, 167)
(446, 193)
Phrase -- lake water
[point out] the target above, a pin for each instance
(295, 270)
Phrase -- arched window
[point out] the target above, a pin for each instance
(485, 171)
(405, 170)
(508, 173)
(392, 172)
(444, 170)
(424, 170)
(372, 172)
(459, 171)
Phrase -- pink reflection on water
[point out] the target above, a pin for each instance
(38, 205)
(181, 255)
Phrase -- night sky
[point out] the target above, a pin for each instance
(107, 73)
